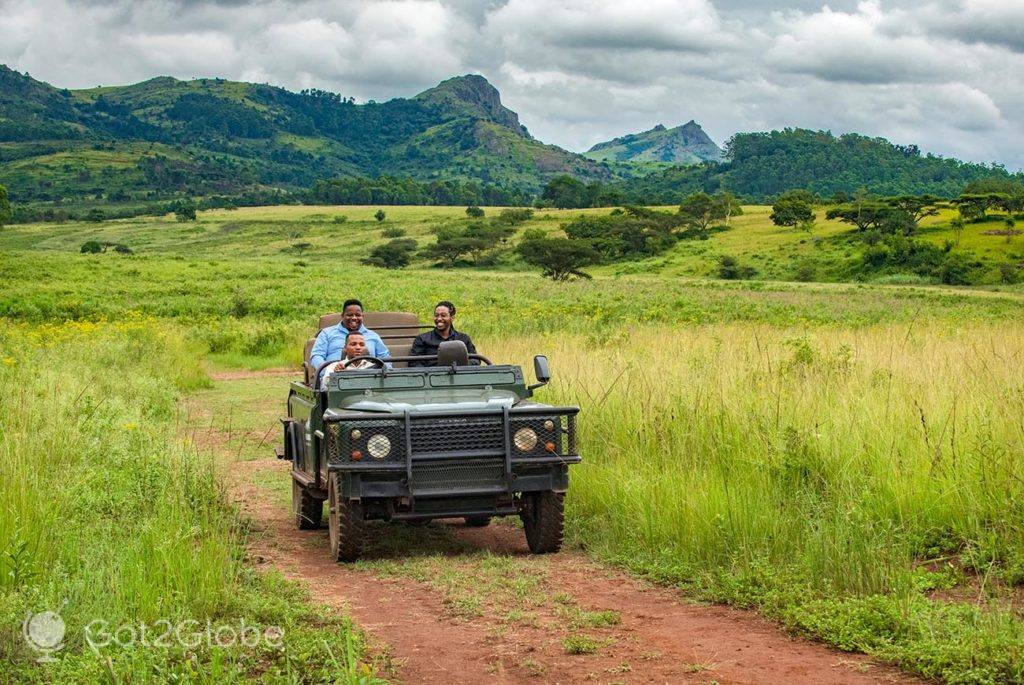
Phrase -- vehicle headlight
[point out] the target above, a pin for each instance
(525, 439)
(379, 446)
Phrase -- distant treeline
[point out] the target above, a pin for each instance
(387, 190)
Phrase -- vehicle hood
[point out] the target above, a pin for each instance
(435, 399)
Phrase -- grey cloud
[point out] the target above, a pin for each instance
(943, 74)
(993, 22)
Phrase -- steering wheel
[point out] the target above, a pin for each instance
(380, 363)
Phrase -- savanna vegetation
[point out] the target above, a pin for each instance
(844, 457)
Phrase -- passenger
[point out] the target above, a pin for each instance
(355, 346)
(330, 343)
(426, 344)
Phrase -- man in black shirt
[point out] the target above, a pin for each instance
(426, 344)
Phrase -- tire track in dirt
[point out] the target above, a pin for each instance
(424, 596)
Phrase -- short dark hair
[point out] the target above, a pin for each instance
(349, 303)
(446, 303)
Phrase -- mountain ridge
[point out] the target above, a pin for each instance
(684, 144)
(206, 136)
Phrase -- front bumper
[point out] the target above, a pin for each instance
(476, 456)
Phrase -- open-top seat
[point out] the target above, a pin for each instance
(397, 329)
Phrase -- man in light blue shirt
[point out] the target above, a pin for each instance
(330, 343)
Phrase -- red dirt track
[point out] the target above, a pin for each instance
(661, 638)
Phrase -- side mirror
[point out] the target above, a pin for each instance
(541, 371)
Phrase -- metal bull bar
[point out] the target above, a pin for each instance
(458, 457)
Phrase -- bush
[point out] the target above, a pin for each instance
(91, 247)
(514, 216)
(95, 215)
(380, 215)
(393, 232)
(474, 212)
(956, 270)
(730, 269)
(340, 219)
(185, 213)
(394, 254)
(805, 272)
(122, 249)
(1009, 273)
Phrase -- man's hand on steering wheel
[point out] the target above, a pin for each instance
(380, 363)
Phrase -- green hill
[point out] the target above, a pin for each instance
(759, 166)
(164, 137)
(686, 144)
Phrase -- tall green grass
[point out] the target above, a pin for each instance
(106, 514)
(836, 479)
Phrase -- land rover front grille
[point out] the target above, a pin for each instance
(460, 434)
(460, 475)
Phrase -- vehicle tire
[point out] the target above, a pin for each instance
(345, 520)
(543, 519)
(308, 510)
(478, 521)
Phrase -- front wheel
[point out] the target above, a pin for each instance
(543, 517)
(308, 510)
(345, 521)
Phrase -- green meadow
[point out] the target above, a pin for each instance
(845, 457)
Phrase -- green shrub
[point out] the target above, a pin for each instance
(91, 247)
(393, 232)
(394, 254)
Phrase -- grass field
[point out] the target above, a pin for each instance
(847, 458)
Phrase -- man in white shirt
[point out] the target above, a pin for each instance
(355, 346)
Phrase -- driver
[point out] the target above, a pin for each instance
(355, 346)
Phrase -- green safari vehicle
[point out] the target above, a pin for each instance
(461, 438)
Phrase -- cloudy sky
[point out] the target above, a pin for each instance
(944, 74)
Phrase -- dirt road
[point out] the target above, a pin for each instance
(452, 604)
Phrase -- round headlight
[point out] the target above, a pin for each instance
(378, 446)
(525, 439)
(356, 434)
(549, 425)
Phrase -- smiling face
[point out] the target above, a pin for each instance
(442, 319)
(355, 346)
(352, 317)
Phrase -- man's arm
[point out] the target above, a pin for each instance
(318, 355)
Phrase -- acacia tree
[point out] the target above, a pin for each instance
(5, 208)
(975, 206)
(559, 258)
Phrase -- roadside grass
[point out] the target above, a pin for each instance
(107, 518)
(832, 479)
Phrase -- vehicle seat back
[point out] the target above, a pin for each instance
(452, 352)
